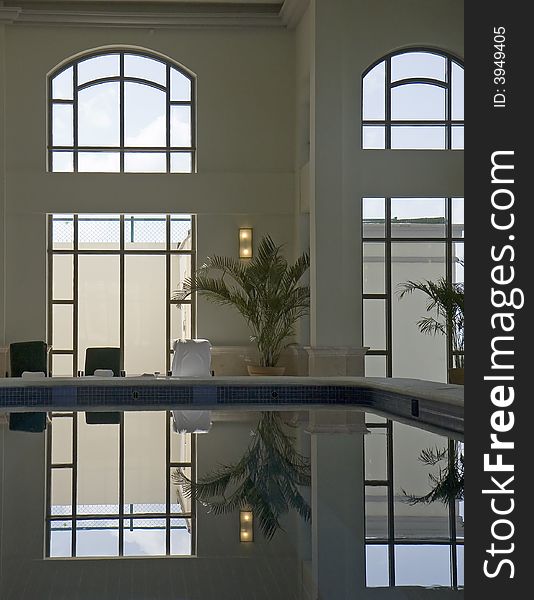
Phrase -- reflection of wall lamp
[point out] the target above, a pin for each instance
(246, 530)
(245, 242)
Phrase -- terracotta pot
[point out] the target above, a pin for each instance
(265, 371)
(456, 376)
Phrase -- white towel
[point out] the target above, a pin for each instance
(192, 358)
(192, 421)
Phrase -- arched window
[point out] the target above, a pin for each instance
(121, 111)
(413, 99)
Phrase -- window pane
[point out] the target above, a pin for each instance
(144, 458)
(371, 417)
(374, 94)
(458, 217)
(61, 440)
(62, 365)
(417, 64)
(180, 86)
(62, 162)
(376, 559)
(460, 562)
(62, 85)
(181, 162)
(62, 326)
(145, 68)
(376, 512)
(374, 217)
(98, 162)
(416, 101)
(374, 324)
(375, 454)
(180, 502)
(97, 67)
(421, 521)
(144, 116)
(98, 115)
(97, 538)
(180, 269)
(457, 92)
(180, 446)
(180, 537)
(458, 263)
(144, 537)
(181, 323)
(60, 539)
(145, 162)
(416, 261)
(417, 137)
(375, 366)
(181, 126)
(374, 138)
(98, 232)
(98, 303)
(62, 131)
(417, 217)
(181, 236)
(144, 314)
(63, 232)
(145, 232)
(62, 276)
(422, 565)
(98, 467)
(457, 138)
(374, 268)
(61, 483)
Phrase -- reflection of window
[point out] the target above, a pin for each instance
(110, 491)
(407, 545)
(414, 100)
(121, 112)
(112, 278)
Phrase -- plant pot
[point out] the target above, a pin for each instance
(456, 376)
(265, 371)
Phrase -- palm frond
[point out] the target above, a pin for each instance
(266, 479)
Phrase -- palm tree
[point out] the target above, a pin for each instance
(265, 480)
(265, 290)
(447, 300)
(448, 484)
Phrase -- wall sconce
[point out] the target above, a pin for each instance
(245, 242)
(246, 529)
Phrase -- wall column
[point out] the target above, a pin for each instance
(335, 242)
(338, 528)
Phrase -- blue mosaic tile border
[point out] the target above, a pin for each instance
(212, 396)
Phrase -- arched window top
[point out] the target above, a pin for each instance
(121, 111)
(413, 99)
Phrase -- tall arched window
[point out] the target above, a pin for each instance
(121, 111)
(413, 99)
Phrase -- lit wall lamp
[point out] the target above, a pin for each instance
(246, 529)
(245, 242)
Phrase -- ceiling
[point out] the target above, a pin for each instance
(155, 13)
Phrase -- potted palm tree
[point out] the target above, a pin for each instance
(265, 480)
(446, 305)
(267, 292)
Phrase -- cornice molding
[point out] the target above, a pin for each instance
(8, 14)
(292, 11)
(151, 20)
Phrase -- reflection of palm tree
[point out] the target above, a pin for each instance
(448, 484)
(265, 480)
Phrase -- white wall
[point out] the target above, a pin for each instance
(245, 151)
